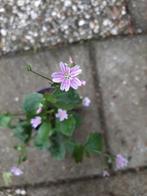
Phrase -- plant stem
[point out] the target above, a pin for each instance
(15, 114)
(50, 111)
(105, 154)
(38, 74)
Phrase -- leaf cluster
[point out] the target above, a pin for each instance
(52, 135)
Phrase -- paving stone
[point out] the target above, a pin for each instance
(41, 167)
(120, 185)
(137, 10)
(122, 67)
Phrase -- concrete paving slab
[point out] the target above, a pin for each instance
(122, 67)
(15, 83)
(120, 185)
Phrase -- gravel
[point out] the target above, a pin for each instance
(31, 24)
(13, 192)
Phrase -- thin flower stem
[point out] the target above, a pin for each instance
(50, 111)
(105, 154)
(14, 114)
(38, 74)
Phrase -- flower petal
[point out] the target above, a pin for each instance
(121, 162)
(75, 83)
(62, 114)
(57, 74)
(16, 171)
(62, 67)
(83, 82)
(62, 87)
(67, 70)
(65, 85)
(36, 121)
(74, 71)
(86, 102)
(57, 77)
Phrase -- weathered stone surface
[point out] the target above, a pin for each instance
(118, 185)
(35, 24)
(122, 67)
(15, 83)
(122, 185)
(13, 192)
(138, 11)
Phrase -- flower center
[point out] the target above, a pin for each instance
(67, 76)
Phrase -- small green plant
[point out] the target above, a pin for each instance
(50, 118)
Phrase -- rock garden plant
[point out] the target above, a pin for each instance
(50, 118)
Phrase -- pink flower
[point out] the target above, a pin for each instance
(86, 102)
(62, 114)
(83, 82)
(39, 110)
(71, 60)
(120, 162)
(105, 173)
(35, 122)
(67, 77)
(16, 171)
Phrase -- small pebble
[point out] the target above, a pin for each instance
(81, 22)
(114, 31)
(37, 3)
(107, 22)
(23, 192)
(2, 10)
(3, 32)
(16, 99)
(18, 191)
(67, 3)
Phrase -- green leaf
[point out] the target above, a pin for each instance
(5, 120)
(7, 177)
(28, 67)
(50, 98)
(31, 103)
(22, 150)
(42, 138)
(67, 100)
(94, 143)
(22, 158)
(70, 145)
(66, 127)
(58, 151)
(23, 131)
(57, 148)
(78, 153)
(78, 119)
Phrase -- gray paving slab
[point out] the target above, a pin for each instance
(137, 10)
(122, 67)
(131, 184)
(15, 83)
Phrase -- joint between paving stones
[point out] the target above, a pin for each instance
(70, 181)
(99, 97)
(84, 41)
